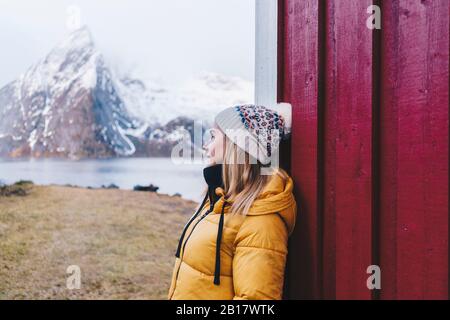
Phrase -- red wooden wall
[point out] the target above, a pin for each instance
(369, 150)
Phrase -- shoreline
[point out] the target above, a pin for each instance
(111, 186)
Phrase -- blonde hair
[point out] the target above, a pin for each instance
(243, 181)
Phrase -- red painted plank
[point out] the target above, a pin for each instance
(300, 88)
(348, 151)
(414, 150)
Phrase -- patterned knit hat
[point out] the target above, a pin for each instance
(255, 129)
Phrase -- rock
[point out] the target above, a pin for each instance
(70, 185)
(23, 182)
(110, 186)
(14, 190)
(150, 187)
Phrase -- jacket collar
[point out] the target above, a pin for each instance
(213, 178)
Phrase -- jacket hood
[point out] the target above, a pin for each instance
(276, 197)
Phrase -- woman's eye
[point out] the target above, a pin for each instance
(208, 136)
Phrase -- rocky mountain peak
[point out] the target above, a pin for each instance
(70, 104)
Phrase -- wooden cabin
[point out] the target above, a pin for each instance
(370, 142)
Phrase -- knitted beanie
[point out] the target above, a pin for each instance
(253, 128)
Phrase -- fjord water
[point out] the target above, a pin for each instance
(171, 178)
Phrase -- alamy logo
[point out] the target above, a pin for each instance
(374, 280)
(73, 21)
(188, 148)
(374, 20)
(74, 280)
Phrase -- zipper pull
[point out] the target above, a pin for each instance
(205, 214)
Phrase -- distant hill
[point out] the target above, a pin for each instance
(71, 104)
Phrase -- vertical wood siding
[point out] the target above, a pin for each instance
(414, 152)
(300, 88)
(369, 148)
(348, 143)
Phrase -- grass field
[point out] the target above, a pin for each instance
(123, 241)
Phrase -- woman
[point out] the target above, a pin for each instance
(235, 245)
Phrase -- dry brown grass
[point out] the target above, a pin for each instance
(123, 241)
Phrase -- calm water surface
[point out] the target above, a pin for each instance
(186, 179)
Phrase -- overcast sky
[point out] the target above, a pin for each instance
(174, 39)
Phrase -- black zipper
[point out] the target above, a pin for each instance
(211, 207)
(184, 244)
(193, 228)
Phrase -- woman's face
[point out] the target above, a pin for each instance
(214, 147)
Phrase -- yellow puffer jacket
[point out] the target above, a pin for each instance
(249, 259)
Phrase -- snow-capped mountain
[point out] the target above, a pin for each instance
(71, 104)
(66, 105)
(200, 97)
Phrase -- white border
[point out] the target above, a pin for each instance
(266, 59)
(266, 43)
